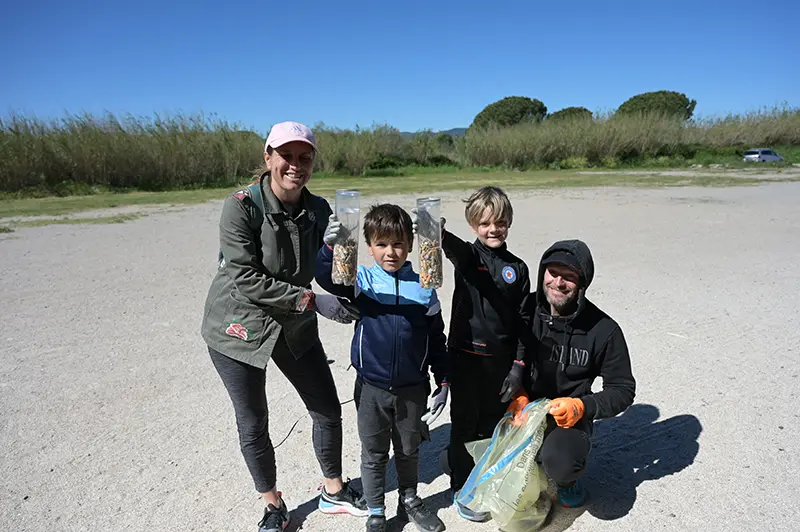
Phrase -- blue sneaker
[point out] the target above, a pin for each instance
(572, 495)
(471, 515)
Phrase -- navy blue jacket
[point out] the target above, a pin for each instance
(400, 333)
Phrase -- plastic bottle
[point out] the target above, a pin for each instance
(429, 233)
(345, 253)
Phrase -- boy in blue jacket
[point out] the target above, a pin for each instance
(399, 335)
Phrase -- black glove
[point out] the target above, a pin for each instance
(513, 381)
(351, 308)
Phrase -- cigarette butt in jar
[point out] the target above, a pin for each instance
(345, 263)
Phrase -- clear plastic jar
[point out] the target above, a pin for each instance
(345, 252)
(429, 233)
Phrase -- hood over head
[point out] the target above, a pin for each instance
(576, 255)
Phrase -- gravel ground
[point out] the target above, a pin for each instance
(114, 419)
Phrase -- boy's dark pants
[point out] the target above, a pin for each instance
(385, 417)
(475, 407)
(475, 410)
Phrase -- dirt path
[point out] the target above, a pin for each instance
(113, 418)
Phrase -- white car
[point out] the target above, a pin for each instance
(761, 155)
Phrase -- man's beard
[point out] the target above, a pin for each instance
(563, 305)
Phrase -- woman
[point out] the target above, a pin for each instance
(261, 307)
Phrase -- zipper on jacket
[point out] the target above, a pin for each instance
(360, 355)
(427, 346)
(394, 329)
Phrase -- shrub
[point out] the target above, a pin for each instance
(571, 113)
(80, 154)
(661, 102)
(510, 111)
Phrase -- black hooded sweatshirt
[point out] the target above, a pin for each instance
(574, 350)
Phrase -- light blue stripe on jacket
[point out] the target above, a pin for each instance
(383, 287)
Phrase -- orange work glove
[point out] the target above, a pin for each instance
(566, 411)
(519, 401)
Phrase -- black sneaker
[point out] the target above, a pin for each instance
(414, 510)
(275, 519)
(376, 523)
(347, 501)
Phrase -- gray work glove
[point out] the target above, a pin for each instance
(335, 233)
(436, 404)
(335, 308)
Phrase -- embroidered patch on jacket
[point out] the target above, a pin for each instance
(509, 275)
(238, 330)
(241, 194)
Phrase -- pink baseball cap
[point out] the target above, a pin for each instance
(286, 132)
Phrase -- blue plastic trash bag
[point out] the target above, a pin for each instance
(506, 479)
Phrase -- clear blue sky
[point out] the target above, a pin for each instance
(415, 65)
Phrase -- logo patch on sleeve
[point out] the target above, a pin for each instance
(241, 194)
(509, 275)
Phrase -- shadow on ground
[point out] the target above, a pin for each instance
(429, 470)
(628, 450)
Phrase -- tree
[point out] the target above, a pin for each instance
(571, 113)
(667, 102)
(444, 140)
(510, 111)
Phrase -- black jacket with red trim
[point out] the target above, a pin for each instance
(491, 289)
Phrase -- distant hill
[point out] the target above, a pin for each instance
(455, 132)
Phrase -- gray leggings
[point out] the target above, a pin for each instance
(311, 377)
